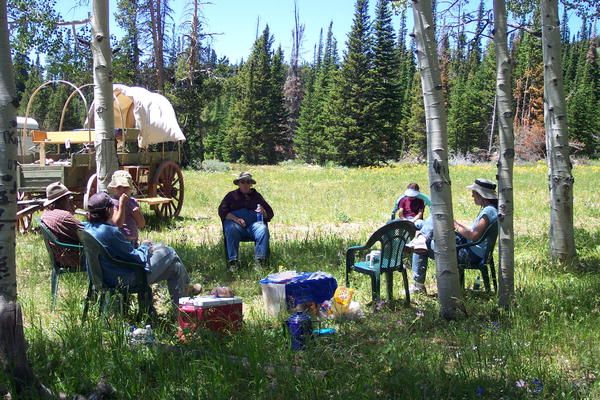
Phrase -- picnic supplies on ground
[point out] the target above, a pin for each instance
(218, 314)
(290, 289)
(273, 291)
(310, 287)
(341, 300)
(222, 291)
(300, 328)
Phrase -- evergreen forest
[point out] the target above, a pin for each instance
(354, 105)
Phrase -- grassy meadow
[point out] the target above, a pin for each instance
(546, 347)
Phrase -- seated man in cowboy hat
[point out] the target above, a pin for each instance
(484, 195)
(238, 211)
(59, 217)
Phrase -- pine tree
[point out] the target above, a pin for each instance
(349, 113)
(387, 95)
(127, 60)
(416, 132)
(407, 73)
(256, 126)
(311, 143)
(471, 106)
(582, 105)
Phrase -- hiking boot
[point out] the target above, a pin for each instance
(417, 288)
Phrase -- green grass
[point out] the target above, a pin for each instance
(546, 347)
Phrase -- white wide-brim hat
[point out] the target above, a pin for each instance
(485, 188)
(411, 193)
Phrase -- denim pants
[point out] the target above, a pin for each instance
(165, 265)
(419, 261)
(254, 231)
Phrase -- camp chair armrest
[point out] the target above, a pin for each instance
(350, 254)
(69, 245)
(132, 265)
(478, 241)
(356, 248)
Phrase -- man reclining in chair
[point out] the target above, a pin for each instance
(59, 217)
(162, 262)
(238, 212)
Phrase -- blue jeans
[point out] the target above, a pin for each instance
(419, 261)
(254, 231)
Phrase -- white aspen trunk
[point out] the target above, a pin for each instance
(560, 178)
(449, 292)
(13, 356)
(8, 166)
(104, 120)
(505, 158)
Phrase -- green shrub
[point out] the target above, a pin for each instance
(215, 166)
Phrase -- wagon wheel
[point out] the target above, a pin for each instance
(24, 221)
(167, 182)
(90, 189)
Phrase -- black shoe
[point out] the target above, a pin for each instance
(234, 265)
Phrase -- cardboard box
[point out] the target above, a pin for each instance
(218, 314)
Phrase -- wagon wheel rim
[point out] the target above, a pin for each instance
(91, 189)
(24, 221)
(168, 182)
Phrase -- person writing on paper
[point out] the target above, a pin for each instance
(484, 195)
(411, 205)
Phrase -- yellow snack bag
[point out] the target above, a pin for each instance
(341, 299)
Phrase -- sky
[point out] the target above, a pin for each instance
(234, 22)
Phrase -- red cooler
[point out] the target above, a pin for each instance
(219, 314)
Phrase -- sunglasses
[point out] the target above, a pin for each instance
(246, 182)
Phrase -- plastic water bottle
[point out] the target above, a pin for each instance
(259, 215)
(300, 328)
(149, 334)
(477, 284)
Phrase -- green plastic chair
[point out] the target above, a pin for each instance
(491, 235)
(99, 288)
(52, 245)
(392, 238)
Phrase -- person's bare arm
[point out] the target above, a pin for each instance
(138, 217)
(118, 217)
(237, 220)
(472, 234)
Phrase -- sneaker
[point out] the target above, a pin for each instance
(417, 245)
(417, 288)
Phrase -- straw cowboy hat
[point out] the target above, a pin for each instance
(486, 188)
(244, 176)
(55, 191)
